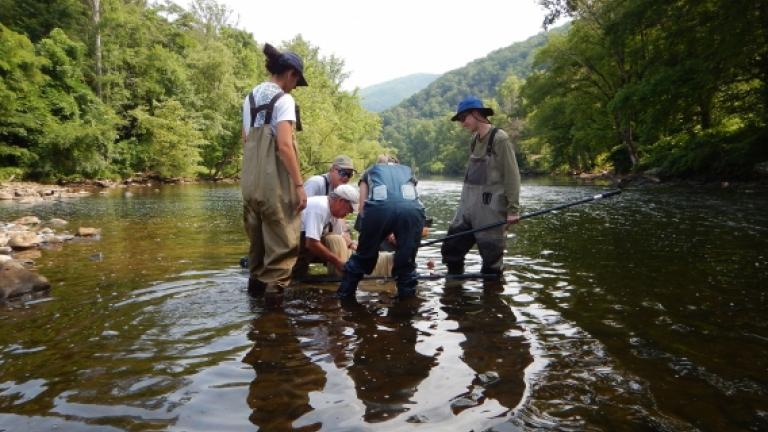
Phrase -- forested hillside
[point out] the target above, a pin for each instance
(116, 88)
(380, 97)
(675, 88)
(419, 127)
(112, 88)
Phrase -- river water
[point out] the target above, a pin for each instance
(642, 312)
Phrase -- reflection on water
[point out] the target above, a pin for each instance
(646, 312)
(275, 399)
(386, 367)
(494, 347)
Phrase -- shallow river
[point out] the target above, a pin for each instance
(642, 312)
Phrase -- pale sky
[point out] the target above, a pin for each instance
(388, 39)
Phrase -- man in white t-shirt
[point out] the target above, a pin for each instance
(317, 238)
(340, 172)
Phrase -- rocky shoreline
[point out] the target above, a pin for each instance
(647, 179)
(30, 193)
(20, 243)
(22, 239)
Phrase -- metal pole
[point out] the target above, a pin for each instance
(525, 216)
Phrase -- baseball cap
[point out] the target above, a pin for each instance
(343, 162)
(349, 193)
(294, 60)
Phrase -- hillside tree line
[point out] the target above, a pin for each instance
(675, 87)
(118, 88)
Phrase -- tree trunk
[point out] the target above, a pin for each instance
(96, 5)
(624, 128)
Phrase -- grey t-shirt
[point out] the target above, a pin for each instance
(317, 185)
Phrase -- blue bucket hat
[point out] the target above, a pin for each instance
(295, 62)
(471, 103)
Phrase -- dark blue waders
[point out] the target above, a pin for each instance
(392, 207)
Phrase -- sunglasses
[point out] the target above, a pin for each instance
(345, 172)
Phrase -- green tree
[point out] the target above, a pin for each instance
(334, 121)
(167, 144)
(37, 18)
(79, 136)
(683, 82)
(22, 113)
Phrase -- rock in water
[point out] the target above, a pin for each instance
(15, 280)
(88, 232)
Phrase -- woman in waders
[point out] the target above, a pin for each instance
(491, 192)
(271, 182)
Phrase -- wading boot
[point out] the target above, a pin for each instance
(493, 286)
(273, 295)
(406, 286)
(455, 268)
(348, 286)
(256, 287)
(405, 293)
(491, 274)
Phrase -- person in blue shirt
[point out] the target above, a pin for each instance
(391, 206)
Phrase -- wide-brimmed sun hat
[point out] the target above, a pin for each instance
(472, 103)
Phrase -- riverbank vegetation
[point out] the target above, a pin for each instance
(678, 88)
(112, 89)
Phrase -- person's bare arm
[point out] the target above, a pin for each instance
(288, 156)
(319, 250)
(363, 188)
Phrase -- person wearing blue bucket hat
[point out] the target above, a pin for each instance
(271, 182)
(490, 193)
(469, 104)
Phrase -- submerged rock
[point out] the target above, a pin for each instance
(57, 223)
(88, 232)
(24, 240)
(16, 280)
(27, 220)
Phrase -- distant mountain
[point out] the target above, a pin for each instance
(480, 77)
(419, 129)
(380, 97)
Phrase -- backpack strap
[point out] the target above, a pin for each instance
(267, 108)
(327, 184)
(489, 148)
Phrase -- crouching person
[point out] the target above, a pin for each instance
(391, 207)
(319, 243)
